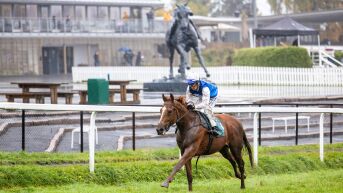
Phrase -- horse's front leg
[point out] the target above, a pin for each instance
(201, 60)
(187, 156)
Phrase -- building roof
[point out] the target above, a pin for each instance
(285, 27)
(151, 3)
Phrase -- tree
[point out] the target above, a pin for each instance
(230, 7)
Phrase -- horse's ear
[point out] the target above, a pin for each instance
(172, 97)
(164, 98)
(186, 3)
(181, 99)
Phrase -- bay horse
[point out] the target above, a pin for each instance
(193, 139)
(182, 36)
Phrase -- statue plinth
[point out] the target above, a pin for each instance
(176, 84)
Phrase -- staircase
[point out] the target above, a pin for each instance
(324, 58)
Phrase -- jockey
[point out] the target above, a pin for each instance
(202, 96)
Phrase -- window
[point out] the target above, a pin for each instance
(103, 12)
(6, 10)
(80, 12)
(68, 11)
(19, 10)
(92, 12)
(56, 10)
(31, 11)
(115, 15)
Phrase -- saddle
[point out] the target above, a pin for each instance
(218, 130)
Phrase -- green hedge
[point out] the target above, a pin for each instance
(339, 55)
(273, 57)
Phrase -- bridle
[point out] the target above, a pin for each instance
(179, 119)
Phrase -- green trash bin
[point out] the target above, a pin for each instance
(97, 91)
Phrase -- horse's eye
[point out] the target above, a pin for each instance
(170, 111)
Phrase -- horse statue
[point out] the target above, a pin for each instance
(182, 36)
(194, 140)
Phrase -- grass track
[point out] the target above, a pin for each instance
(315, 181)
(281, 169)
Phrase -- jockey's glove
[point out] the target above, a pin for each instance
(190, 106)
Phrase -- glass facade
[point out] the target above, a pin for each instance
(31, 11)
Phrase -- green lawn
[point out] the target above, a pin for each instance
(328, 181)
(280, 169)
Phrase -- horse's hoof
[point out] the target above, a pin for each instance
(242, 187)
(208, 75)
(239, 176)
(188, 67)
(165, 184)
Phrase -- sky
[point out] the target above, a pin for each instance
(262, 5)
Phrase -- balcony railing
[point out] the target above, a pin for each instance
(48, 25)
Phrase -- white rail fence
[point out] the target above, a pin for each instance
(145, 109)
(223, 75)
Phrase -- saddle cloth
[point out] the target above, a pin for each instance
(205, 121)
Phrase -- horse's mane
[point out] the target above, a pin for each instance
(180, 101)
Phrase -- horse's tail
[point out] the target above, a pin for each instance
(247, 145)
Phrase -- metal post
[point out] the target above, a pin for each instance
(255, 140)
(259, 128)
(321, 137)
(81, 131)
(133, 131)
(331, 123)
(296, 127)
(23, 130)
(91, 142)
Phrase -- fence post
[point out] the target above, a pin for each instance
(331, 125)
(133, 131)
(296, 126)
(259, 127)
(91, 142)
(23, 130)
(81, 131)
(255, 140)
(321, 137)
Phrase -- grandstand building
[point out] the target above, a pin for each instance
(52, 36)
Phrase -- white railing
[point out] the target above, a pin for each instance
(222, 75)
(152, 109)
(65, 25)
(330, 60)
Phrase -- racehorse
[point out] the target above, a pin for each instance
(183, 36)
(193, 139)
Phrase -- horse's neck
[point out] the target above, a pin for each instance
(187, 121)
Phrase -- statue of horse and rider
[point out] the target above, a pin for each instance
(182, 36)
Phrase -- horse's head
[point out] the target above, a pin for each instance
(181, 15)
(169, 114)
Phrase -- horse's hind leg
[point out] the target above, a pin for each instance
(189, 174)
(227, 155)
(183, 60)
(171, 59)
(237, 153)
(201, 59)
